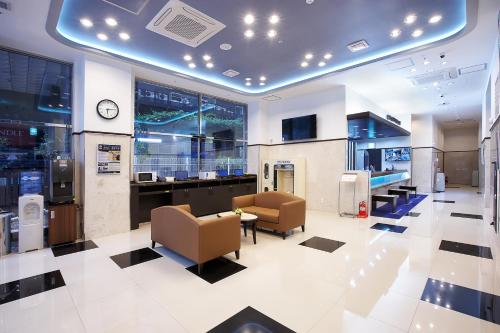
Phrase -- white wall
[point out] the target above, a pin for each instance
(422, 130)
(461, 139)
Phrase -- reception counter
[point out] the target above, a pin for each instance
(205, 196)
(385, 178)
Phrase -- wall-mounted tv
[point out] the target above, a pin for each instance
(398, 154)
(300, 128)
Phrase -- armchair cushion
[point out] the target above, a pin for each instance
(267, 214)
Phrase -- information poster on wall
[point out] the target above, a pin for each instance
(108, 159)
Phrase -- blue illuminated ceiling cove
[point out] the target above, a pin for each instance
(325, 26)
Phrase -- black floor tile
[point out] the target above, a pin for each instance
(467, 216)
(323, 244)
(469, 249)
(250, 320)
(444, 201)
(413, 214)
(389, 227)
(217, 269)
(135, 257)
(464, 300)
(61, 250)
(12, 291)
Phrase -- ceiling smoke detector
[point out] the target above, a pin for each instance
(184, 24)
(358, 46)
(231, 73)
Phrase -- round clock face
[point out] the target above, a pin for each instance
(107, 109)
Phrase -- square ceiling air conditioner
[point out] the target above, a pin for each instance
(184, 24)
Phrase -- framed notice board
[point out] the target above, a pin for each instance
(108, 159)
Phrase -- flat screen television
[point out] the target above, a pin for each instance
(398, 154)
(300, 128)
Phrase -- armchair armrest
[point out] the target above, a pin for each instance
(243, 201)
(186, 208)
(293, 213)
(218, 236)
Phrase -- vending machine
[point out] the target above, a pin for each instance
(284, 176)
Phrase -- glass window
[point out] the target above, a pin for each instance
(35, 120)
(223, 119)
(165, 110)
(226, 155)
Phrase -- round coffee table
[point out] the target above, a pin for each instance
(246, 219)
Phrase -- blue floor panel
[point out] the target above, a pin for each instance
(402, 209)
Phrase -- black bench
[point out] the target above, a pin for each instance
(392, 199)
(401, 193)
(409, 188)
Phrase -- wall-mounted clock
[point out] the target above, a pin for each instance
(107, 109)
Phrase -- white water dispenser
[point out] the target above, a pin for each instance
(30, 222)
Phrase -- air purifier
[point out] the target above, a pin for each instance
(30, 222)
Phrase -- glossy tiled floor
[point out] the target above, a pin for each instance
(373, 283)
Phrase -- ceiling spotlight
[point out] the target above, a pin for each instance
(248, 84)
(426, 62)
(417, 33)
(413, 70)
(207, 57)
(444, 62)
(124, 36)
(188, 57)
(327, 56)
(321, 64)
(192, 65)
(225, 46)
(273, 19)
(304, 64)
(249, 33)
(263, 78)
(111, 22)
(435, 19)
(435, 84)
(210, 65)
(271, 33)
(102, 36)
(87, 23)
(395, 33)
(262, 84)
(308, 56)
(248, 79)
(249, 19)
(309, 2)
(410, 19)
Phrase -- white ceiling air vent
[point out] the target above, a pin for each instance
(436, 76)
(271, 98)
(184, 24)
(358, 46)
(231, 73)
(400, 64)
(134, 7)
(472, 69)
(5, 7)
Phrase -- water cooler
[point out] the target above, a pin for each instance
(61, 181)
(30, 222)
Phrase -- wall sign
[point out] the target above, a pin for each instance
(393, 119)
(108, 159)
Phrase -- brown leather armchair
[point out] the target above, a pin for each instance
(199, 240)
(278, 211)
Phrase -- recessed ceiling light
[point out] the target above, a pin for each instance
(262, 84)
(327, 56)
(192, 65)
(87, 23)
(308, 56)
(225, 46)
(435, 19)
(111, 22)
(426, 62)
(102, 36)
(249, 19)
(271, 33)
(395, 33)
(410, 19)
(321, 64)
(435, 84)
(273, 19)
(188, 57)
(263, 78)
(413, 70)
(248, 79)
(304, 64)
(248, 84)
(417, 33)
(444, 62)
(309, 2)
(249, 33)
(124, 36)
(210, 65)
(207, 57)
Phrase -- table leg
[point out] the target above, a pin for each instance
(245, 228)
(254, 232)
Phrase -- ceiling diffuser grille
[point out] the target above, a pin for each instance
(438, 76)
(184, 24)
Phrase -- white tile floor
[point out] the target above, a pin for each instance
(371, 284)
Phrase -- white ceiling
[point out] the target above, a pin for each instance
(392, 90)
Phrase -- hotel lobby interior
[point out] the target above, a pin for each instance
(249, 166)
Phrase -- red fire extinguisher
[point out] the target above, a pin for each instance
(362, 210)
